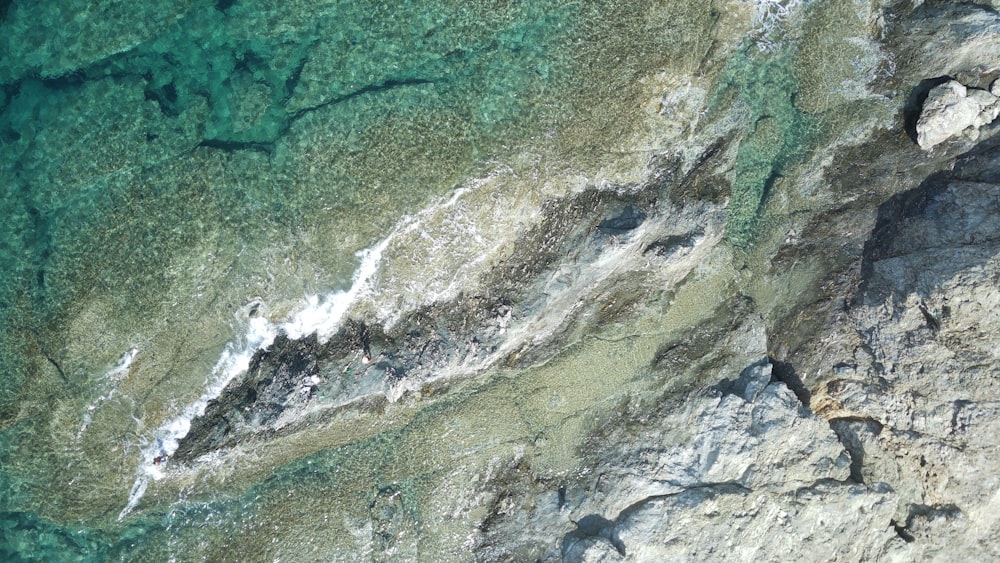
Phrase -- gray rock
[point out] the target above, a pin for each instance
(961, 39)
(740, 471)
(919, 408)
(952, 109)
(254, 402)
(725, 525)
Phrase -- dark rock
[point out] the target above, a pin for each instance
(249, 404)
(938, 214)
(667, 245)
(703, 182)
(696, 346)
(628, 219)
(4, 7)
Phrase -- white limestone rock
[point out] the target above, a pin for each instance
(828, 521)
(742, 471)
(756, 474)
(952, 109)
(752, 434)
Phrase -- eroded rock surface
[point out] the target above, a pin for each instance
(918, 396)
(742, 469)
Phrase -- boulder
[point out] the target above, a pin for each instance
(952, 109)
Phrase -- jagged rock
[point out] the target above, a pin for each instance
(741, 435)
(394, 532)
(744, 526)
(918, 399)
(735, 467)
(252, 403)
(745, 464)
(952, 109)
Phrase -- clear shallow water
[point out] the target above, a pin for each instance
(163, 174)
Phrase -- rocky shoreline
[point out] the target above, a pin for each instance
(871, 422)
(775, 341)
(467, 335)
(844, 432)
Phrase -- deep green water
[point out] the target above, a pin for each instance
(161, 165)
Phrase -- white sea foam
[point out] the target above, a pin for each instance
(770, 13)
(234, 360)
(113, 375)
(320, 315)
(134, 495)
(124, 363)
(769, 17)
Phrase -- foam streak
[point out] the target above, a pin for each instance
(320, 315)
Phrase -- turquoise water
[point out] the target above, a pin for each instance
(779, 132)
(132, 145)
(116, 162)
(163, 165)
(85, 151)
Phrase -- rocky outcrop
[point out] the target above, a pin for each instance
(741, 470)
(295, 383)
(279, 378)
(959, 39)
(888, 445)
(917, 396)
(952, 109)
(888, 441)
(732, 466)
